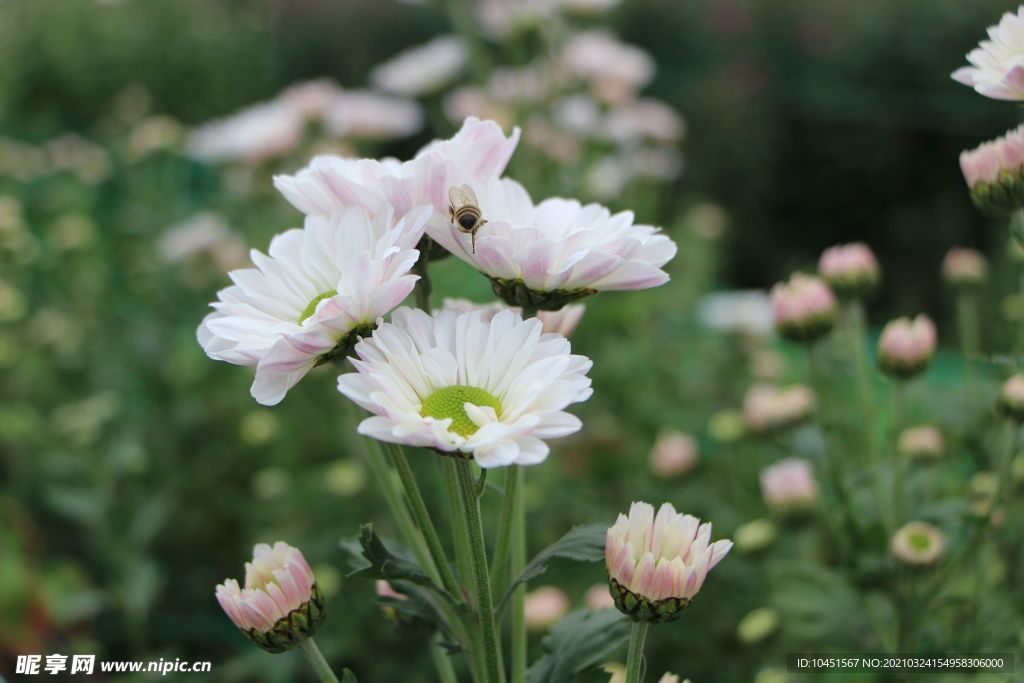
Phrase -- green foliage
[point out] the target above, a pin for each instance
(577, 644)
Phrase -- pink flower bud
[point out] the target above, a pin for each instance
(768, 408)
(544, 607)
(280, 603)
(598, 597)
(674, 454)
(994, 172)
(789, 486)
(657, 564)
(906, 346)
(964, 267)
(804, 308)
(849, 269)
(923, 442)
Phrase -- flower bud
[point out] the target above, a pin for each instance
(906, 346)
(804, 308)
(1011, 398)
(755, 535)
(757, 625)
(280, 604)
(923, 442)
(851, 270)
(917, 544)
(767, 408)
(674, 454)
(994, 172)
(964, 268)
(657, 564)
(598, 597)
(544, 606)
(789, 486)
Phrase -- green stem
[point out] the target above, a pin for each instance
(855, 332)
(481, 578)
(898, 462)
(393, 495)
(316, 660)
(499, 560)
(967, 319)
(463, 561)
(422, 515)
(517, 561)
(424, 287)
(844, 521)
(442, 662)
(635, 658)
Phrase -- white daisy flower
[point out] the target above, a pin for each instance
(477, 153)
(492, 389)
(548, 254)
(319, 288)
(997, 64)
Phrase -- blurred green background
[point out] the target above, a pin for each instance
(135, 474)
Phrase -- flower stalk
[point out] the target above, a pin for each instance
(635, 656)
(316, 660)
(493, 672)
(422, 515)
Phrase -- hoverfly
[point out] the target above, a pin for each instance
(464, 212)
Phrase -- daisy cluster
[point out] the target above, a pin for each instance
(481, 382)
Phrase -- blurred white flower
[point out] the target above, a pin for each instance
(500, 18)
(472, 101)
(492, 390)
(740, 312)
(364, 114)
(578, 113)
(319, 288)
(557, 249)
(644, 119)
(423, 69)
(310, 98)
(253, 135)
(615, 71)
(607, 177)
(767, 408)
(997, 64)
(202, 233)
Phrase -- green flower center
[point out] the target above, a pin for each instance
(919, 541)
(449, 402)
(311, 308)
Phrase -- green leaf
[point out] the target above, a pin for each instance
(583, 543)
(380, 563)
(577, 644)
(372, 559)
(347, 676)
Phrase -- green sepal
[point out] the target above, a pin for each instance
(639, 608)
(299, 624)
(516, 293)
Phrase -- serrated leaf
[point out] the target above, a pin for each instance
(584, 543)
(577, 644)
(381, 563)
